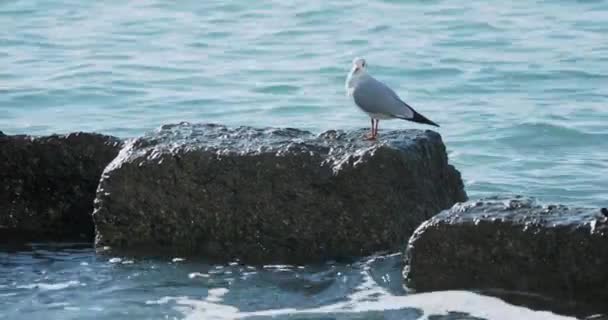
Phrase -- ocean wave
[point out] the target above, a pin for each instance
(542, 134)
(368, 301)
(50, 286)
(277, 89)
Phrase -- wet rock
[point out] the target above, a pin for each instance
(513, 244)
(48, 185)
(272, 194)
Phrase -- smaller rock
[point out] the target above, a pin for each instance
(48, 184)
(513, 244)
(605, 212)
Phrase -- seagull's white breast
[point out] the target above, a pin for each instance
(352, 80)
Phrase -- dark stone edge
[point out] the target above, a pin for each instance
(17, 237)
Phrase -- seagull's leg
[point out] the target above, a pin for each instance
(372, 133)
(370, 136)
(376, 132)
(374, 128)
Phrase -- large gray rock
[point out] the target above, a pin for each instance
(48, 185)
(513, 244)
(272, 194)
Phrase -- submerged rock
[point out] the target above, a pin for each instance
(272, 194)
(513, 244)
(48, 184)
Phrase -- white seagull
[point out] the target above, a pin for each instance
(377, 99)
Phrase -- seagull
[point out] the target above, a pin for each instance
(377, 99)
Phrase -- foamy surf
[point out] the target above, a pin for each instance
(368, 298)
(50, 286)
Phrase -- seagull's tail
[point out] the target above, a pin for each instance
(421, 119)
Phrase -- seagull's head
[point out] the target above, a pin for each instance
(359, 65)
(355, 74)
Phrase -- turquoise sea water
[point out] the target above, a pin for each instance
(520, 90)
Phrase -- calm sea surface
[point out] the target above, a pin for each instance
(520, 89)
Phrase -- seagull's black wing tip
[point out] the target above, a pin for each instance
(422, 119)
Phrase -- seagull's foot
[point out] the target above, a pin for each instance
(370, 137)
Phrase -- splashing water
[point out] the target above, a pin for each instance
(64, 281)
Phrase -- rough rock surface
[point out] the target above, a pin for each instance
(272, 194)
(48, 184)
(513, 244)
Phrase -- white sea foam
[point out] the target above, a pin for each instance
(9, 294)
(50, 286)
(368, 297)
(198, 275)
(56, 305)
(279, 267)
(216, 295)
